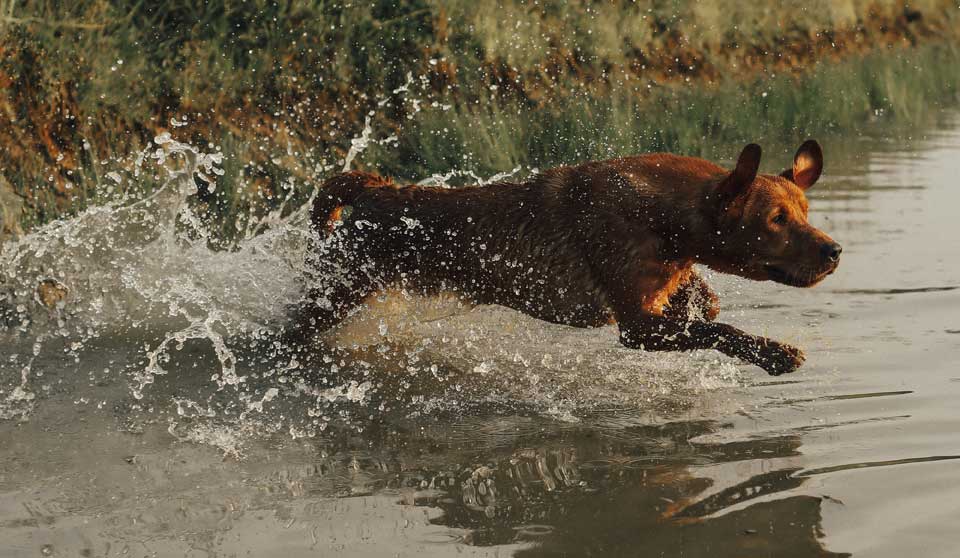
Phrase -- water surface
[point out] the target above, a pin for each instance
(150, 415)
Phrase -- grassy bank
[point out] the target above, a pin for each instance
(281, 87)
(842, 99)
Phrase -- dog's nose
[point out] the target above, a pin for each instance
(831, 251)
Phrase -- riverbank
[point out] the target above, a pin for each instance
(281, 90)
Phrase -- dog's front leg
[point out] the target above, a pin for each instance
(693, 300)
(633, 287)
(659, 333)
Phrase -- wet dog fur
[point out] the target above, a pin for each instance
(599, 243)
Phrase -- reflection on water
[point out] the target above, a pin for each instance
(183, 429)
(601, 486)
(601, 497)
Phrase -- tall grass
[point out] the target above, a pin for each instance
(900, 86)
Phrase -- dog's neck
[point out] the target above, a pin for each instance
(691, 228)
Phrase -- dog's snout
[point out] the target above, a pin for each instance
(831, 251)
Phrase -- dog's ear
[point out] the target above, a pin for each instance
(748, 163)
(807, 165)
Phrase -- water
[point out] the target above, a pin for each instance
(148, 409)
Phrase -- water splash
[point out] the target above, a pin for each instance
(128, 269)
(196, 327)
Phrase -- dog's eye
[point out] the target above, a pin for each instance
(780, 218)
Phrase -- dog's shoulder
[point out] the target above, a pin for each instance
(668, 167)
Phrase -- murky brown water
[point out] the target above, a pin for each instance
(542, 441)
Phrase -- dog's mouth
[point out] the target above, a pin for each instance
(802, 277)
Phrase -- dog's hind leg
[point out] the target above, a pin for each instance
(693, 300)
(327, 306)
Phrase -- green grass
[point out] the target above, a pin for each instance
(900, 86)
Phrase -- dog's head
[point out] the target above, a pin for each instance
(763, 232)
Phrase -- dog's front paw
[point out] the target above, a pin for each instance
(778, 358)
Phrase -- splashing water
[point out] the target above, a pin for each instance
(140, 279)
(128, 269)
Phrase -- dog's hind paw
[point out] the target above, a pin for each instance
(778, 358)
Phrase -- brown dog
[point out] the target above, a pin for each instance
(604, 242)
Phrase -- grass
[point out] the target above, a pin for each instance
(280, 87)
(904, 86)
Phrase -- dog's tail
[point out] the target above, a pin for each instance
(339, 192)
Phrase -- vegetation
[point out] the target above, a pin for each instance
(831, 98)
(280, 87)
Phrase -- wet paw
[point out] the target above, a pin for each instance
(778, 358)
